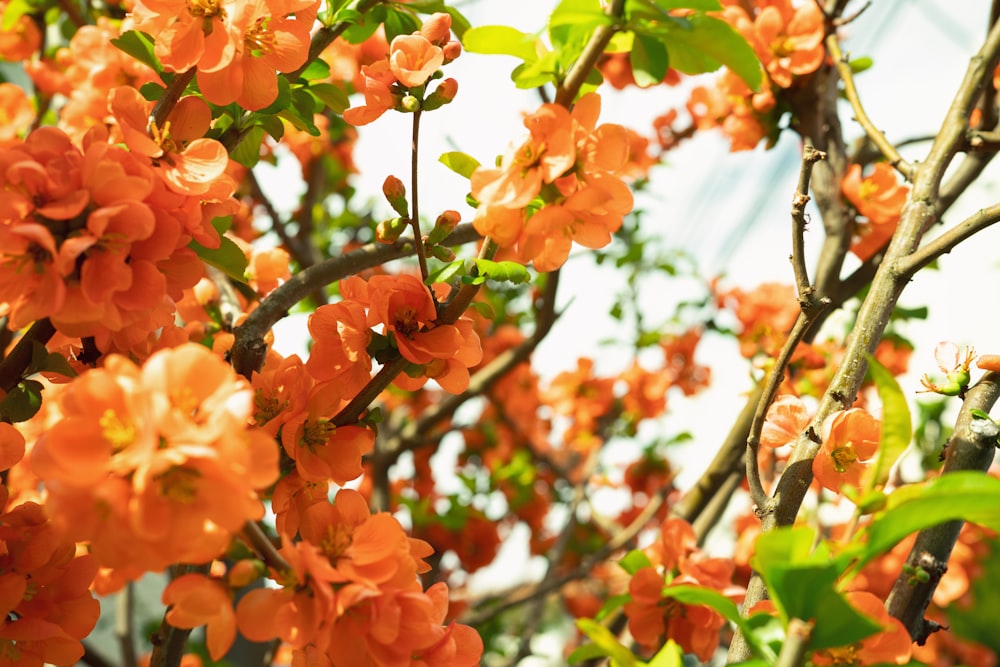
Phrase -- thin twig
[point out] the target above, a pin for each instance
(161, 110)
(810, 156)
(944, 243)
(851, 92)
(124, 624)
(418, 241)
(254, 535)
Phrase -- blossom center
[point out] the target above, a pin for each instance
(119, 433)
(179, 484)
(206, 9)
(405, 322)
(843, 457)
(266, 407)
(335, 542)
(260, 39)
(317, 433)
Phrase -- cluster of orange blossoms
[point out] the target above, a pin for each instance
(155, 465)
(562, 184)
(675, 560)
(788, 40)
(398, 80)
(45, 597)
(95, 237)
(237, 45)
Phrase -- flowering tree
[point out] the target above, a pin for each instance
(301, 507)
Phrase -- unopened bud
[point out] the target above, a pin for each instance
(389, 231)
(444, 253)
(437, 28)
(395, 194)
(451, 50)
(443, 94)
(245, 572)
(409, 104)
(444, 225)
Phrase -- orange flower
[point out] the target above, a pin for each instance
(339, 353)
(878, 196)
(155, 465)
(786, 419)
(275, 37)
(188, 162)
(792, 40)
(16, 112)
(194, 600)
(190, 33)
(379, 96)
(413, 59)
(891, 645)
(850, 439)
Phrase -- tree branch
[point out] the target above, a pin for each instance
(581, 69)
(851, 92)
(972, 446)
(249, 347)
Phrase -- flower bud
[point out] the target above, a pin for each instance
(451, 50)
(444, 225)
(443, 94)
(409, 104)
(245, 572)
(395, 194)
(437, 28)
(444, 253)
(389, 231)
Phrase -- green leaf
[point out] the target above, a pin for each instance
(507, 271)
(139, 45)
(502, 40)
(962, 495)
(151, 91)
(22, 402)
(363, 25)
(331, 96)
(317, 69)
(859, 65)
(399, 23)
(43, 360)
(585, 14)
(707, 43)
(247, 152)
(272, 125)
(613, 603)
(649, 61)
(14, 11)
(607, 644)
(227, 257)
(634, 561)
(896, 425)
(670, 655)
(461, 163)
(280, 102)
(802, 581)
(700, 5)
(446, 272)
